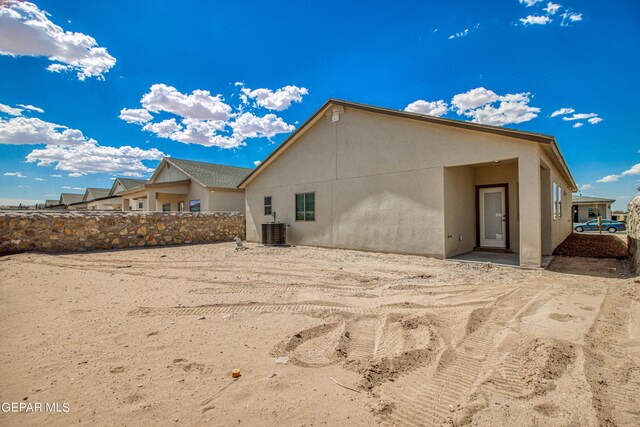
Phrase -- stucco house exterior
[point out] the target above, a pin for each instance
(586, 208)
(66, 201)
(108, 199)
(189, 186)
(362, 177)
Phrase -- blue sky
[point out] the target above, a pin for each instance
(267, 66)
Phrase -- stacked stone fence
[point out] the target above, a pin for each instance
(633, 233)
(22, 231)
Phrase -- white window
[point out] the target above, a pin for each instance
(557, 201)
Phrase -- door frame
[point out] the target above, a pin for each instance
(506, 214)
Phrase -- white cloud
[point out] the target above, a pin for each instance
(633, 170)
(203, 132)
(552, 8)
(279, 100)
(579, 116)
(568, 17)
(25, 30)
(487, 107)
(536, 20)
(76, 174)
(31, 107)
(40, 179)
(473, 99)
(207, 120)
(163, 129)
(562, 112)
(88, 158)
(16, 174)
(586, 187)
(23, 186)
(200, 105)
(529, 3)
(248, 125)
(570, 115)
(133, 115)
(30, 130)
(12, 111)
(464, 33)
(609, 178)
(66, 187)
(257, 163)
(430, 108)
(55, 176)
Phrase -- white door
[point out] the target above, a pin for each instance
(493, 218)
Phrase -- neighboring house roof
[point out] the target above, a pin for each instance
(590, 200)
(51, 202)
(207, 174)
(95, 193)
(497, 130)
(70, 198)
(127, 183)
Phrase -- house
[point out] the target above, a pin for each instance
(114, 198)
(362, 177)
(585, 208)
(186, 185)
(49, 203)
(67, 201)
(98, 199)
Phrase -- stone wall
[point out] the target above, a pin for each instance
(80, 231)
(633, 233)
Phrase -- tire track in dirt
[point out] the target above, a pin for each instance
(610, 369)
(427, 395)
(299, 307)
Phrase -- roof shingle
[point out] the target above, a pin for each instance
(211, 174)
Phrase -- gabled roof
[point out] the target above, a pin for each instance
(497, 130)
(127, 183)
(51, 202)
(95, 193)
(207, 174)
(70, 198)
(589, 199)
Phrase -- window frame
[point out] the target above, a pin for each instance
(191, 205)
(164, 205)
(270, 205)
(304, 204)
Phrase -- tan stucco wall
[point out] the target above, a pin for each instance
(560, 227)
(108, 204)
(583, 211)
(460, 221)
(380, 185)
(210, 200)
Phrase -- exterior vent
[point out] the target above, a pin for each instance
(274, 234)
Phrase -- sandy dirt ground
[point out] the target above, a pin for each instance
(150, 336)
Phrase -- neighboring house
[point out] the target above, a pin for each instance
(585, 208)
(70, 201)
(50, 203)
(619, 216)
(190, 186)
(99, 199)
(121, 185)
(361, 177)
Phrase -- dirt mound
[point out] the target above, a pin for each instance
(592, 246)
(545, 360)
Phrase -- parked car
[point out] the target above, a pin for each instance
(607, 224)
